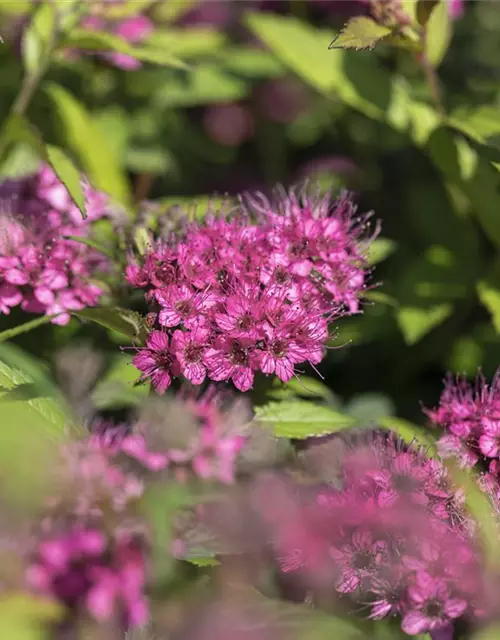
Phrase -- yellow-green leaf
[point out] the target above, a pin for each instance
(438, 33)
(68, 174)
(490, 298)
(360, 33)
(38, 36)
(301, 419)
(416, 322)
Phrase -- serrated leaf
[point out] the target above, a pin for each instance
(37, 37)
(360, 33)
(380, 249)
(301, 419)
(129, 323)
(489, 296)
(438, 33)
(424, 10)
(68, 174)
(97, 157)
(416, 322)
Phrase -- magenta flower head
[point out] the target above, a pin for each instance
(253, 291)
(379, 538)
(85, 570)
(40, 269)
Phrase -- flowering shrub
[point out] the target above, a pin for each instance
(210, 404)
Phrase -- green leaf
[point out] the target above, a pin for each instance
(129, 323)
(103, 41)
(360, 33)
(96, 156)
(424, 10)
(187, 43)
(480, 122)
(491, 632)
(88, 242)
(416, 322)
(438, 33)
(38, 37)
(24, 328)
(206, 84)
(369, 407)
(489, 296)
(20, 370)
(305, 387)
(300, 46)
(380, 249)
(301, 419)
(68, 174)
(116, 390)
(24, 617)
(252, 63)
(18, 129)
(409, 432)
(202, 562)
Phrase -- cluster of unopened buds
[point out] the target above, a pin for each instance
(41, 269)
(251, 292)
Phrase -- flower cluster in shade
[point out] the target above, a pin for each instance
(251, 292)
(91, 550)
(40, 269)
(393, 537)
(469, 414)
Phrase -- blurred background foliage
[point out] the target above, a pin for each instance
(240, 95)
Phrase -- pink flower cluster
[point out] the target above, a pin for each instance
(93, 559)
(252, 292)
(133, 30)
(470, 417)
(393, 537)
(84, 569)
(209, 453)
(40, 269)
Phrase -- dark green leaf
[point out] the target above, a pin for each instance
(438, 33)
(360, 33)
(129, 323)
(301, 419)
(68, 174)
(38, 36)
(424, 10)
(96, 156)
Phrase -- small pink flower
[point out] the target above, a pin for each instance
(155, 361)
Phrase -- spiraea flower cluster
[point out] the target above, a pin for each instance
(40, 268)
(393, 537)
(470, 417)
(251, 292)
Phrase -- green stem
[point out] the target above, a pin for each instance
(24, 328)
